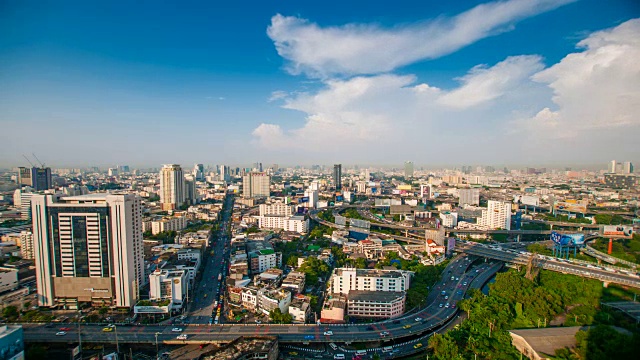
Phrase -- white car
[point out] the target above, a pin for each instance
(418, 319)
(182, 337)
(176, 329)
(61, 333)
(328, 333)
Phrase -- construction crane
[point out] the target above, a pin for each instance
(41, 163)
(26, 158)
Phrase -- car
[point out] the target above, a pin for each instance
(441, 305)
(308, 337)
(182, 337)
(65, 329)
(61, 333)
(407, 326)
(107, 329)
(453, 306)
(176, 329)
(384, 333)
(293, 353)
(464, 283)
(457, 279)
(258, 322)
(447, 305)
(417, 346)
(328, 333)
(446, 297)
(418, 319)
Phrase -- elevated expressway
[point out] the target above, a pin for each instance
(433, 318)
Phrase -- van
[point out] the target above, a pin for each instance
(333, 346)
(387, 349)
(361, 352)
(338, 357)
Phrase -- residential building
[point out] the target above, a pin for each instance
(261, 256)
(300, 310)
(190, 193)
(345, 280)
(294, 282)
(276, 209)
(375, 304)
(469, 196)
(334, 309)
(449, 219)
(619, 181)
(408, 169)
(169, 284)
(172, 190)
(296, 223)
(270, 299)
(337, 176)
(312, 195)
(250, 298)
(88, 248)
(171, 223)
(436, 235)
(496, 216)
(11, 342)
(26, 245)
(256, 184)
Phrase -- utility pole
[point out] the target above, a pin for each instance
(117, 344)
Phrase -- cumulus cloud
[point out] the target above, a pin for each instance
(483, 84)
(594, 90)
(370, 49)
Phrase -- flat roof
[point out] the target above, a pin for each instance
(547, 340)
(378, 296)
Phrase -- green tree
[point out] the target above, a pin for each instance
(361, 263)
(277, 317)
(10, 313)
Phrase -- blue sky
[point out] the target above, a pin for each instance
(288, 82)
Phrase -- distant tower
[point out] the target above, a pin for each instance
(337, 176)
(408, 169)
(172, 191)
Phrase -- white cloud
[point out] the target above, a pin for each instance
(369, 49)
(277, 95)
(483, 84)
(595, 90)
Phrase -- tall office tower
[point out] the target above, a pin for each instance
(171, 187)
(123, 169)
(38, 178)
(112, 171)
(198, 172)
(408, 169)
(88, 249)
(624, 168)
(190, 194)
(627, 168)
(613, 165)
(255, 184)
(225, 173)
(337, 176)
(497, 215)
(469, 196)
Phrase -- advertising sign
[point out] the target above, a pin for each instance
(303, 199)
(362, 224)
(567, 239)
(574, 206)
(616, 230)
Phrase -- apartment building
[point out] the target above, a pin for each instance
(294, 282)
(296, 223)
(345, 280)
(172, 187)
(169, 284)
(173, 223)
(496, 216)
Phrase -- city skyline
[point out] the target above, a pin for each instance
(519, 82)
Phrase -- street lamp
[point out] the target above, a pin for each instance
(157, 351)
(117, 344)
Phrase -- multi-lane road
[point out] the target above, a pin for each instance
(209, 291)
(432, 317)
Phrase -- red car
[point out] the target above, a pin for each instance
(65, 329)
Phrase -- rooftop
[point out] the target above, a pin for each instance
(377, 296)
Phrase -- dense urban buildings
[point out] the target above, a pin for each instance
(35, 177)
(88, 249)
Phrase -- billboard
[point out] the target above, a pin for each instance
(340, 198)
(616, 230)
(567, 239)
(303, 199)
(362, 224)
(340, 220)
(574, 206)
(451, 245)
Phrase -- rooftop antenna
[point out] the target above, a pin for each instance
(26, 158)
(41, 163)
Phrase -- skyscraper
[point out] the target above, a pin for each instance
(337, 176)
(172, 193)
(198, 172)
(88, 249)
(624, 168)
(256, 184)
(408, 169)
(38, 178)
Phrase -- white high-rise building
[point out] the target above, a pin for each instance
(172, 191)
(88, 249)
(276, 209)
(469, 196)
(198, 172)
(344, 280)
(169, 285)
(26, 245)
(256, 184)
(497, 215)
(313, 198)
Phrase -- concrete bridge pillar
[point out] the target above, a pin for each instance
(551, 227)
(605, 284)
